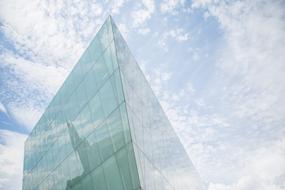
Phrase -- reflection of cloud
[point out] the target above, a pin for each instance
(83, 151)
(11, 159)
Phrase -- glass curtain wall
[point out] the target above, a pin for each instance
(83, 140)
(105, 129)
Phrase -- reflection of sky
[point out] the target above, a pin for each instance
(217, 69)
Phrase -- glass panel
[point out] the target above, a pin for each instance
(86, 183)
(77, 186)
(104, 141)
(95, 49)
(86, 61)
(117, 86)
(110, 58)
(108, 98)
(105, 34)
(74, 79)
(98, 179)
(96, 109)
(94, 153)
(133, 166)
(101, 73)
(116, 129)
(83, 123)
(125, 122)
(125, 160)
(112, 175)
(90, 84)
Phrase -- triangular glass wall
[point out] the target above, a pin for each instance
(105, 129)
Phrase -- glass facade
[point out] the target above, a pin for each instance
(105, 129)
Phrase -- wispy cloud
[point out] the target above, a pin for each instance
(253, 56)
(2, 108)
(250, 69)
(11, 159)
(262, 169)
(116, 5)
(167, 6)
(235, 125)
(229, 115)
(143, 13)
(177, 34)
(47, 40)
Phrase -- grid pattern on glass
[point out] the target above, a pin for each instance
(82, 141)
(105, 129)
(162, 161)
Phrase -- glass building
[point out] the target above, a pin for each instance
(105, 130)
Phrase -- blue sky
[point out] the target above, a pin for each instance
(217, 68)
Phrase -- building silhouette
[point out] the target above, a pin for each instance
(105, 130)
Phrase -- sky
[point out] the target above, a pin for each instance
(217, 68)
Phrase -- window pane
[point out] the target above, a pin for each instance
(86, 183)
(116, 129)
(90, 84)
(94, 153)
(122, 160)
(104, 141)
(96, 109)
(108, 98)
(98, 179)
(101, 73)
(110, 58)
(112, 174)
(117, 86)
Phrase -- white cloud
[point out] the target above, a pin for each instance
(2, 108)
(168, 6)
(11, 159)
(254, 55)
(158, 79)
(201, 3)
(144, 13)
(123, 29)
(116, 5)
(149, 4)
(51, 37)
(177, 34)
(27, 115)
(143, 30)
(48, 38)
(35, 73)
(37, 29)
(140, 16)
(263, 169)
(38, 83)
(228, 129)
(250, 70)
(198, 130)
